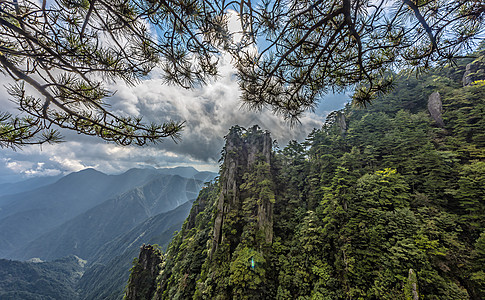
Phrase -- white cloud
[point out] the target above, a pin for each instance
(69, 164)
(41, 171)
(18, 166)
(29, 168)
(208, 112)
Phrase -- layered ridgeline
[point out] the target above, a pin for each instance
(84, 234)
(106, 277)
(83, 210)
(386, 202)
(117, 215)
(103, 278)
(27, 215)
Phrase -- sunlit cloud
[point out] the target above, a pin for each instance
(208, 112)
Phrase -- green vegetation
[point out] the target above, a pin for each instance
(390, 206)
(40, 281)
(141, 284)
(70, 51)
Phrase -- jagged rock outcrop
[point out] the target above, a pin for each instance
(142, 282)
(229, 227)
(341, 122)
(435, 108)
(411, 287)
(243, 151)
(198, 207)
(474, 71)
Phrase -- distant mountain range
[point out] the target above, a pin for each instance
(83, 234)
(27, 185)
(100, 218)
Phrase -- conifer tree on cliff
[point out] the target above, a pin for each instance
(288, 54)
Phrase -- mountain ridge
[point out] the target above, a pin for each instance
(385, 202)
(83, 234)
(27, 215)
(117, 255)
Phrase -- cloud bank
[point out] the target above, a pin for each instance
(208, 113)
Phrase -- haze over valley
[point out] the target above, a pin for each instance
(87, 222)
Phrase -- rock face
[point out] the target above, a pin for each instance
(244, 150)
(142, 282)
(411, 287)
(229, 229)
(435, 108)
(342, 122)
(474, 71)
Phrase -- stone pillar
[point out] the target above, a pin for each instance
(435, 108)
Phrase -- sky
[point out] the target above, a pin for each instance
(208, 113)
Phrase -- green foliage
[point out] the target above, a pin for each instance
(471, 196)
(39, 281)
(188, 250)
(391, 208)
(411, 288)
(257, 183)
(245, 280)
(478, 261)
(141, 284)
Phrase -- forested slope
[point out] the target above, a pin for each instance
(40, 280)
(384, 202)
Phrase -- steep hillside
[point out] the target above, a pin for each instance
(106, 277)
(381, 203)
(40, 280)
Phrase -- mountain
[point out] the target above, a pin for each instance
(26, 216)
(106, 277)
(27, 185)
(383, 202)
(187, 172)
(40, 280)
(86, 233)
(108, 235)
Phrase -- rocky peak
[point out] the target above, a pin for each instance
(142, 282)
(244, 150)
(341, 122)
(474, 71)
